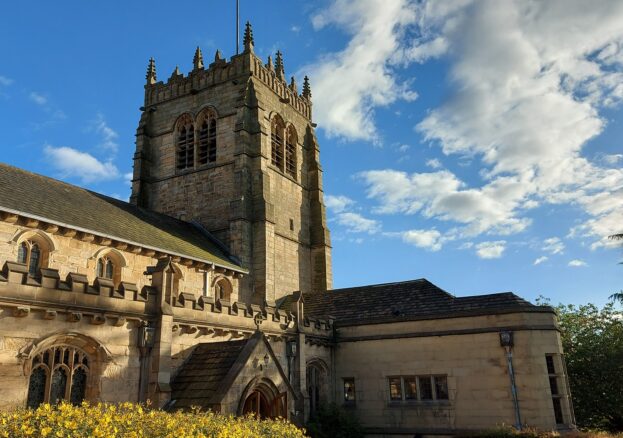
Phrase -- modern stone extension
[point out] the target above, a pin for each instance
(213, 286)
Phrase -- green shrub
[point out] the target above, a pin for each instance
(332, 421)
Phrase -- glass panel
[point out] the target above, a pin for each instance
(109, 269)
(349, 390)
(66, 357)
(78, 386)
(100, 268)
(410, 388)
(549, 360)
(35, 256)
(558, 410)
(426, 388)
(441, 387)
(22, 253)
(59, 384)
(57, 356)
(395, 388)
(36, 388)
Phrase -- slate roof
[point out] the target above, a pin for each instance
(408, 300)
(199, 378)
(64, 204)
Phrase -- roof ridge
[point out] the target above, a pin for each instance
(377, 285)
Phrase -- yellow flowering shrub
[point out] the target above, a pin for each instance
(134, 420)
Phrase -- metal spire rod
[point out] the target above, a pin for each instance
(237, 27)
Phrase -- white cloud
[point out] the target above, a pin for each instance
(355, 223)
(295, 29)
(577, 263)
(109, 135)
(612, 159)
(38, 98)
(429, 239)
(491, 250)
(350, 84)
(540, 260)
(4, 81)
(71, 163)
(553, 245)
(433, 163)
(338, 203)
(128, 178)
(404, 147)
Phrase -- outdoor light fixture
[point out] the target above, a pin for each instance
(506, 339)
(291, 349)
(147, 336)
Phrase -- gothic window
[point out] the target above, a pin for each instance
(291, 142)
(185, 143)
(105, 268)
(206, 152)
(314, 387)
(29, 253)
(277, 131)
(59, 373)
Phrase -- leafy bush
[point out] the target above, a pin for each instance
(334, 422)
(134, 421)
(510, 432)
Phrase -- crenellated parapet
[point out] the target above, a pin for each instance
(237, 70)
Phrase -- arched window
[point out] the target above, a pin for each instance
(58, 373)
(105, 268)
(222, 290)
(206, 150)
(185, 143)
(291, 141)
(277, 131)
(29, 253)
(316, 385)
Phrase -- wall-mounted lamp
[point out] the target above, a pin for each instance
(146, 336)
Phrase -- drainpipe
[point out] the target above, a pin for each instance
(145, 343)
(506, 341)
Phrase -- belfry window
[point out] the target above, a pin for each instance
(206, 151)
(185, 144)
(277, 131)
(291, 142)
(59, 373)
(29, 253)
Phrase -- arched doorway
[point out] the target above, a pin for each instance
(316, 384)
(265, 401)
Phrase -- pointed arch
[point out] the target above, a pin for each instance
(184, 142)
(109, 263)
(222, 287)
(33, 249)
(291, 151)
(277, 135)
(206, 141)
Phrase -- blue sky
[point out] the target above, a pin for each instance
(473, 143)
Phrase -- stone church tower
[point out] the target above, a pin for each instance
(232, 147)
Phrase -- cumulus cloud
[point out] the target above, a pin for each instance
(576, 263)
(37, 98)
(72, 163)
(356, 223)
(529, 81)
(553, 245)
(491, 250)
(338, 203)
(540, 260)
(429, 239)
(350, 84)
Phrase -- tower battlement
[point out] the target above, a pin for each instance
(237, 69)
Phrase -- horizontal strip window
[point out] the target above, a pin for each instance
(414, 388)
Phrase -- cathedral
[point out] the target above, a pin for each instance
(212, 287)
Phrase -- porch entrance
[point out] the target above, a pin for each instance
(258, 404)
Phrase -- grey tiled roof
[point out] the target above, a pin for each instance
(408, 300)
(201, 375)
(61, 203)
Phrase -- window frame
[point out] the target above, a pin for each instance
(25, 251)
(349, 401)
(417, 395)
(556, 383)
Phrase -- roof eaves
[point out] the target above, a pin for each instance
(233, 267)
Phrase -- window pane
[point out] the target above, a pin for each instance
(36, 388)
(59, 384)
(410, 388)
(395, 388)
(349, 389)
(100, 268)
(22, 253)
(553, 384)
(35, 256)
(426, 388)
(109, 269)
(441, 387)
(78, 386)
(549, 360)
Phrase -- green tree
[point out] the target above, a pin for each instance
(618, 296)
(593, 344)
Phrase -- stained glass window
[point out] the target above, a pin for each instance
(59, 385)
(36, 388)
(78, 386)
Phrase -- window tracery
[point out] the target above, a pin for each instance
(105, 268)
(185, 133)
(58, 373)
(276, 141)
(291, 141)
(206, 151)
(29, 253)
